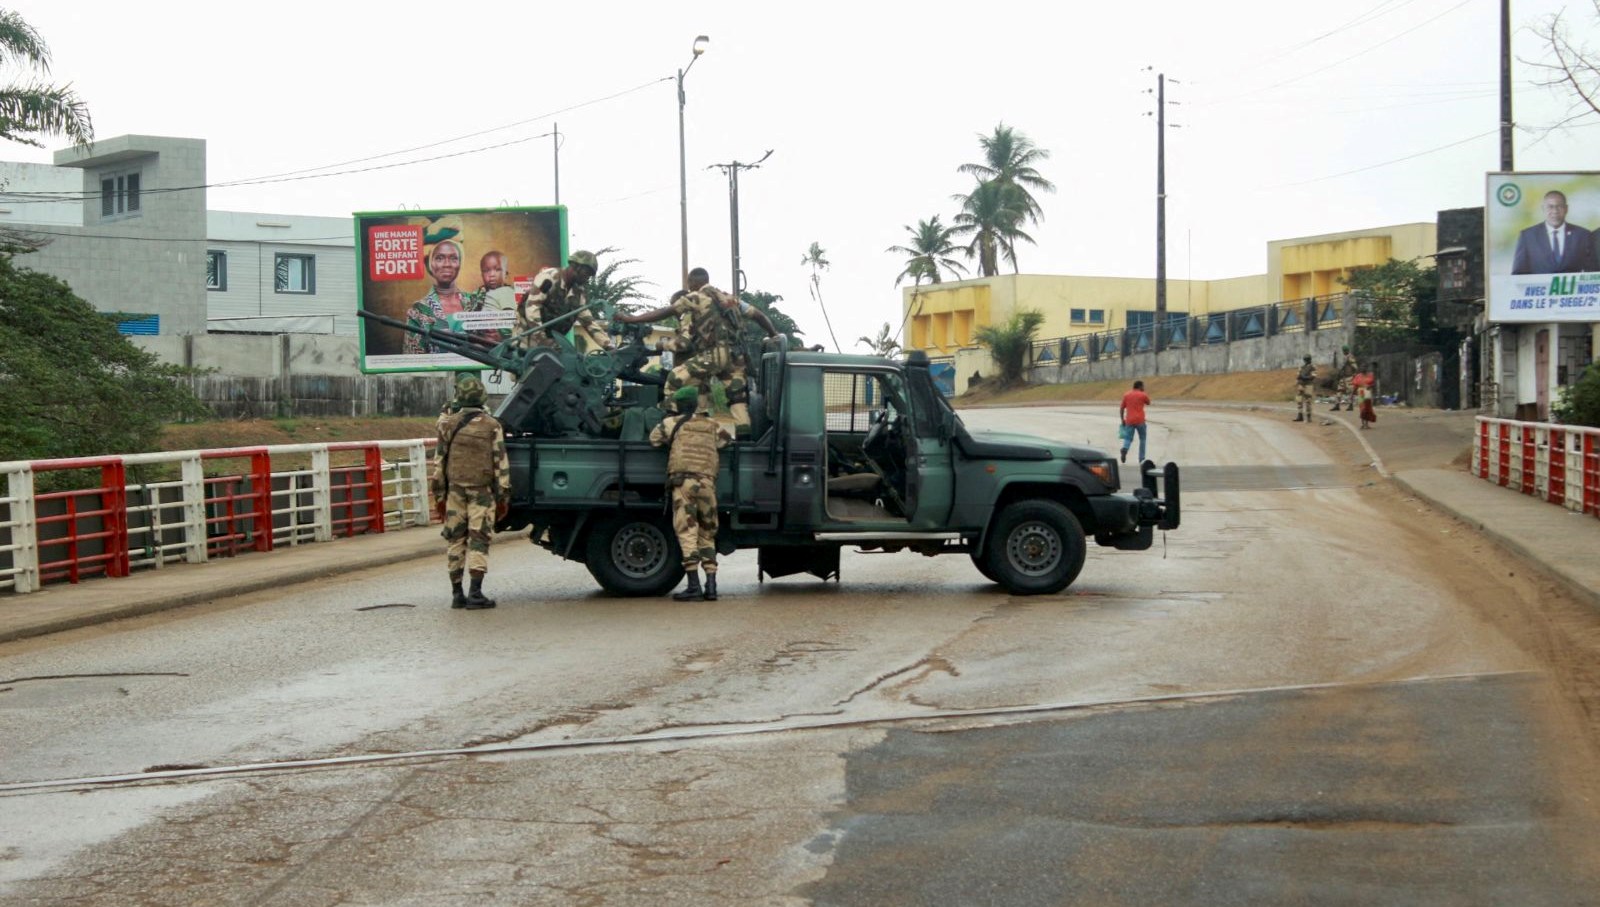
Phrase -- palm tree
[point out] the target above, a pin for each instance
(932, 244)
(992, 214)
(881, 345)
(1008, 159)
(614, 291)
(1010, 342)
(817, 258)
(37, 108)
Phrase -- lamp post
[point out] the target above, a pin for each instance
(700, 44)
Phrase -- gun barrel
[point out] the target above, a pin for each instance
(474, 348)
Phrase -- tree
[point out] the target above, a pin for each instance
(767, 302)
(614, 291)
(1395, 299)
(882, 345)
(931, 246)
(36, 108)
(70, 385)
(1010, 342)
(991, 214)
(1579, 402)
(1571, 65)
(1009, 157)
(817, 258)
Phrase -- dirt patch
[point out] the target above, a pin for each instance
(254, 432)
(1268, 387)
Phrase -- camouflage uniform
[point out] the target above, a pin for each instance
(1304, 390)
(692, 467)
(550, 298)
(710, 345)
(471, 478)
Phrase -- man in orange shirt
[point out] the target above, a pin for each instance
(1132, 412)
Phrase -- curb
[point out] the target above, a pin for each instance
(288, 576)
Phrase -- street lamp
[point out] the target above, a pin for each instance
(700, 44)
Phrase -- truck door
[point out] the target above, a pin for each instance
(929, 458)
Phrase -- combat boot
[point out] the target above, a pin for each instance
(476, 601)
(711, 587)
(692, 590)
(458, 598)
(1298, 418)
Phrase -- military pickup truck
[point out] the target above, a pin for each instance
(843, 451)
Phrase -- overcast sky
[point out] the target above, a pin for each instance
(868, 108)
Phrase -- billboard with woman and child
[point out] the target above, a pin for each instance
(1540, 246)
(462, 270)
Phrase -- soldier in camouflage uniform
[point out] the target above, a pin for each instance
(694, 438)
(1346, 391)
(1305, 390)
(471, 487)
(556, 292)
(710, 343)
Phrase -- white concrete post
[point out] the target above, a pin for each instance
(25, 557)
(322, 494)
(194, 510)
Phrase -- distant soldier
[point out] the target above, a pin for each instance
(1304, 390)
(557, 292)
(694, 439)
(471, 486)
(1346, 390)
(710, 343)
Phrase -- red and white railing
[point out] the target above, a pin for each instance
(1555, 463)
(103, 525)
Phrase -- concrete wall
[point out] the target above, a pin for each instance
(1316, 265)
(151, 261)
(1255, 355)
(250, 243)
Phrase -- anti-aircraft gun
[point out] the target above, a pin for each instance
(562, 392)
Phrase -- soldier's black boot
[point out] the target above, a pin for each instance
(692, 590)
(458, 598)
(476, 600)
(1299, 417)
(711, 587)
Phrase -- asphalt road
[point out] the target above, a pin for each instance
(1289, 700)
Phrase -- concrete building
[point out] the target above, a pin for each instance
(943, 318)
(267, 273)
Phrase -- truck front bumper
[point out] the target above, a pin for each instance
(1129, 521)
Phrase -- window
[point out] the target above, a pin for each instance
(1097, 316)
(1077, 316)
(294, 273)
(216, 270)
(119, 194)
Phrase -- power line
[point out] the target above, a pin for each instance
(1470, 138)
(1370, 15)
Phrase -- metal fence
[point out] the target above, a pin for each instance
(206, 504)
(1185, 331)
(1555, 463)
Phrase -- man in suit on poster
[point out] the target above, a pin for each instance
(1555, 246)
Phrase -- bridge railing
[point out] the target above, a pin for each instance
(70, 519)
(1555, 463)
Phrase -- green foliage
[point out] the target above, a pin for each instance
(1010, 342)
(884, 344)
(992, 215)
(1579, 402)
(930, 250)
(1393, 299)
(34, 109)
(70, 385)
(767, 302)
(616, 291)
(817, 258)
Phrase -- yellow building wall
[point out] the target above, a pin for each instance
(1317, 265)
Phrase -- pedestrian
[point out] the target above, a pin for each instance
(1304, 386)
(471, 486)
(1366, 388)
(1132, 416)
(1344, 394)
(693, 439)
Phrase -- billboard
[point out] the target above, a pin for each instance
(1540, 247)
(460, 269)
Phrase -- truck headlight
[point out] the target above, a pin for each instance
(1104, 470)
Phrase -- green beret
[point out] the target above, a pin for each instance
(686, 398)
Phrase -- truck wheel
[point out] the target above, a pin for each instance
(1035, 548)
(633, 555)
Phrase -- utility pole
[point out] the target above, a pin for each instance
(732, 168)
(555, 150)
(1161, 211)
(1506, 156)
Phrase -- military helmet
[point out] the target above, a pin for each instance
(1308, 357)
(685, 399)
(584, 258)
(470, 392)
(1347, 349)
